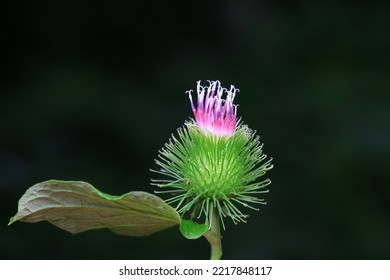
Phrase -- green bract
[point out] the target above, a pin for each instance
(206, 171)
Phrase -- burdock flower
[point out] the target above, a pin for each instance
(214, 114)
(215, 161)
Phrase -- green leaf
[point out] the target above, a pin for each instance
(77, 206)
(192, 230)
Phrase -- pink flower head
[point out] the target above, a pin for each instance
(213, 113)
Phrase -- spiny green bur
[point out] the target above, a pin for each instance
(210, 171)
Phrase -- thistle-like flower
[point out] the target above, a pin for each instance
(215, 161)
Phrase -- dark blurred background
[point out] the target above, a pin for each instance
(91, 90)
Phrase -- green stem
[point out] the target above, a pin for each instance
(213, 236)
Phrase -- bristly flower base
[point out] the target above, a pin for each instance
(207, 172)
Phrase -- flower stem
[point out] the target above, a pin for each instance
(213, 236)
